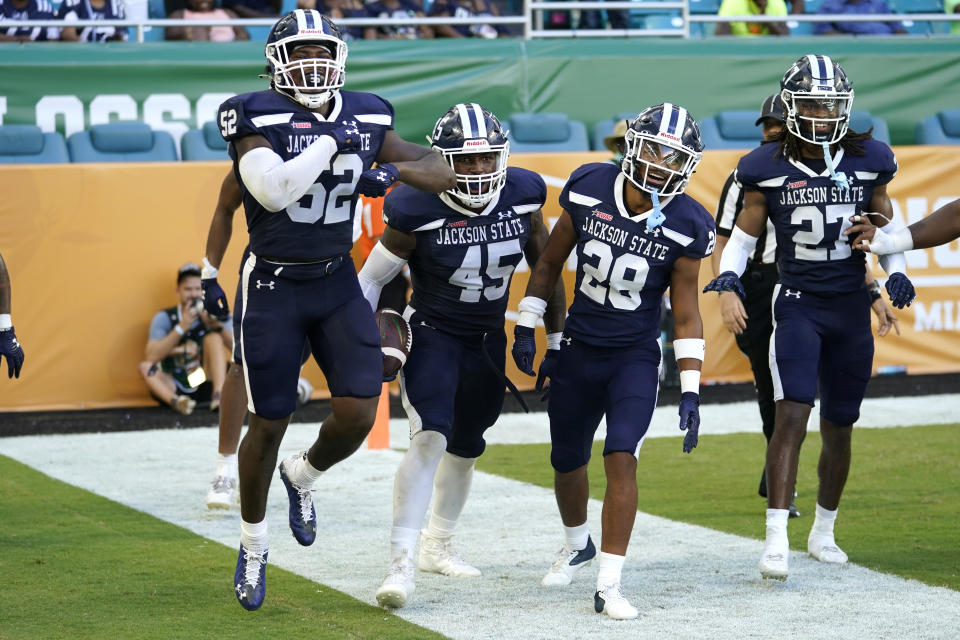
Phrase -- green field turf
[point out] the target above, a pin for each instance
(76, 565)
(899, 512)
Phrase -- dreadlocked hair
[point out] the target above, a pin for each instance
(851, 143)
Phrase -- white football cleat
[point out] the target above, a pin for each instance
(397, 586)
(824, 548)
(438, 556)
(773, 562)
(567, 564)
(611, 601)
(222, 492)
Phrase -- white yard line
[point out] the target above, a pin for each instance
(688, 581)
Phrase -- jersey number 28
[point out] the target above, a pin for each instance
(608, 279)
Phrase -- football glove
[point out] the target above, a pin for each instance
(901, 290)
(214, 299)
(10, 348)
(548, 367)
(690, 419)
(524, 349)
(347, 137)
(375, 182)
(726, 281)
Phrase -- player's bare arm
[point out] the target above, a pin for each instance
(557, 302)
(734, 316)
(421, 168)
(544, 275)
(686, 309)
(4, 288)
(221, 225)
(940, 227)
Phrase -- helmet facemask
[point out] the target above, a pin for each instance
(817, 118)
(309, 81)
(655, 163)
(477, 190)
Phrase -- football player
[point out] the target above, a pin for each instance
(809, 186)
(940, 227)
(462, 247)
(302, 151)
(9, 347)
(636, 233)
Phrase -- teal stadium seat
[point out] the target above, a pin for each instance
(941, 128)
(122, 142)
(707, 7)
(203, 144)
(861, 120)
(605, 127)
(27, 144)
(546, 132)
(917, 6)
(730, 130)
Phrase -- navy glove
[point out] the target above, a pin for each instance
(726, 281)
(214, 299)
(11, 348)
(548, 367)
(690, 419)
(901, 290)
(524, 349)
(347, 137)
(375, 182)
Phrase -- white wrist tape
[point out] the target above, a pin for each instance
(208, 271)
(277, 184)
(553, 340)
(5, 321)
(381, 267)
(891, 241)
(739, 248)
(689, 348)
(531, 310)
(690, 381)
(893, 263)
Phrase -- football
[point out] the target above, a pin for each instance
(396, 339)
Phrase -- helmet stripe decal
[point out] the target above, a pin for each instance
(681, 122)
(301, 19)
(465, 123)
(309, 17)
(827, 67)
(481, 124)
(665, 117)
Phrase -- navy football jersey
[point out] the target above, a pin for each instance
(810, 212)
(623, 269)
(35, 10)
(320, 224)
(463, 262)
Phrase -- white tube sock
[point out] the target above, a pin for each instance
(576, 537)
(451, 486)
(611, 565)
(253, 535)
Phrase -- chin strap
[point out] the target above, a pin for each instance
(840, 178)
(656, 218)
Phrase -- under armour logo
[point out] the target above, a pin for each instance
(504, 214)
(265, 284)
(239, 589)
(566, 340)
(382, 176)
(791, 293)
(655, 231)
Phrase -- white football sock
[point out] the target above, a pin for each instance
(413, 483)
(823, 522)
(451, 486)
(777, 525)
(610, 567)
(576, 537)
(403, 540)
(253, 535)
(227, 465)
(303, 474)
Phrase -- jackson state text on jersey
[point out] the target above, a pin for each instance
(623, 270)
(462, 265)
(810, 212)
(320, 224)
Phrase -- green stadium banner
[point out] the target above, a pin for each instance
(176, 86)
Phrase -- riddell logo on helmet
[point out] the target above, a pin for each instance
(669, 136)
(476, 143)
(311, 31)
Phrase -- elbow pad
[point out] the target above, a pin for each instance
(737, 252)
(277, 184)
(381, 267)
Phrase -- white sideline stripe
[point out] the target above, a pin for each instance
(687, 581)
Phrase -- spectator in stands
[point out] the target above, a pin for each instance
(466, 9)
(73, 10)
(337, 9)
(616, 142)
(618, 19)
(858, 7)
(752, 8)
(206, 10)
(396, 9)
(254, 8)
(9, 346)
(183, 337)
(13, 10)
(953, 6)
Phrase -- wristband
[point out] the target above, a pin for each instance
(531, 310)
(689, 348)
(5, 321)
(553, 340)
(690, 381)
(208, 271)
(178, 329)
